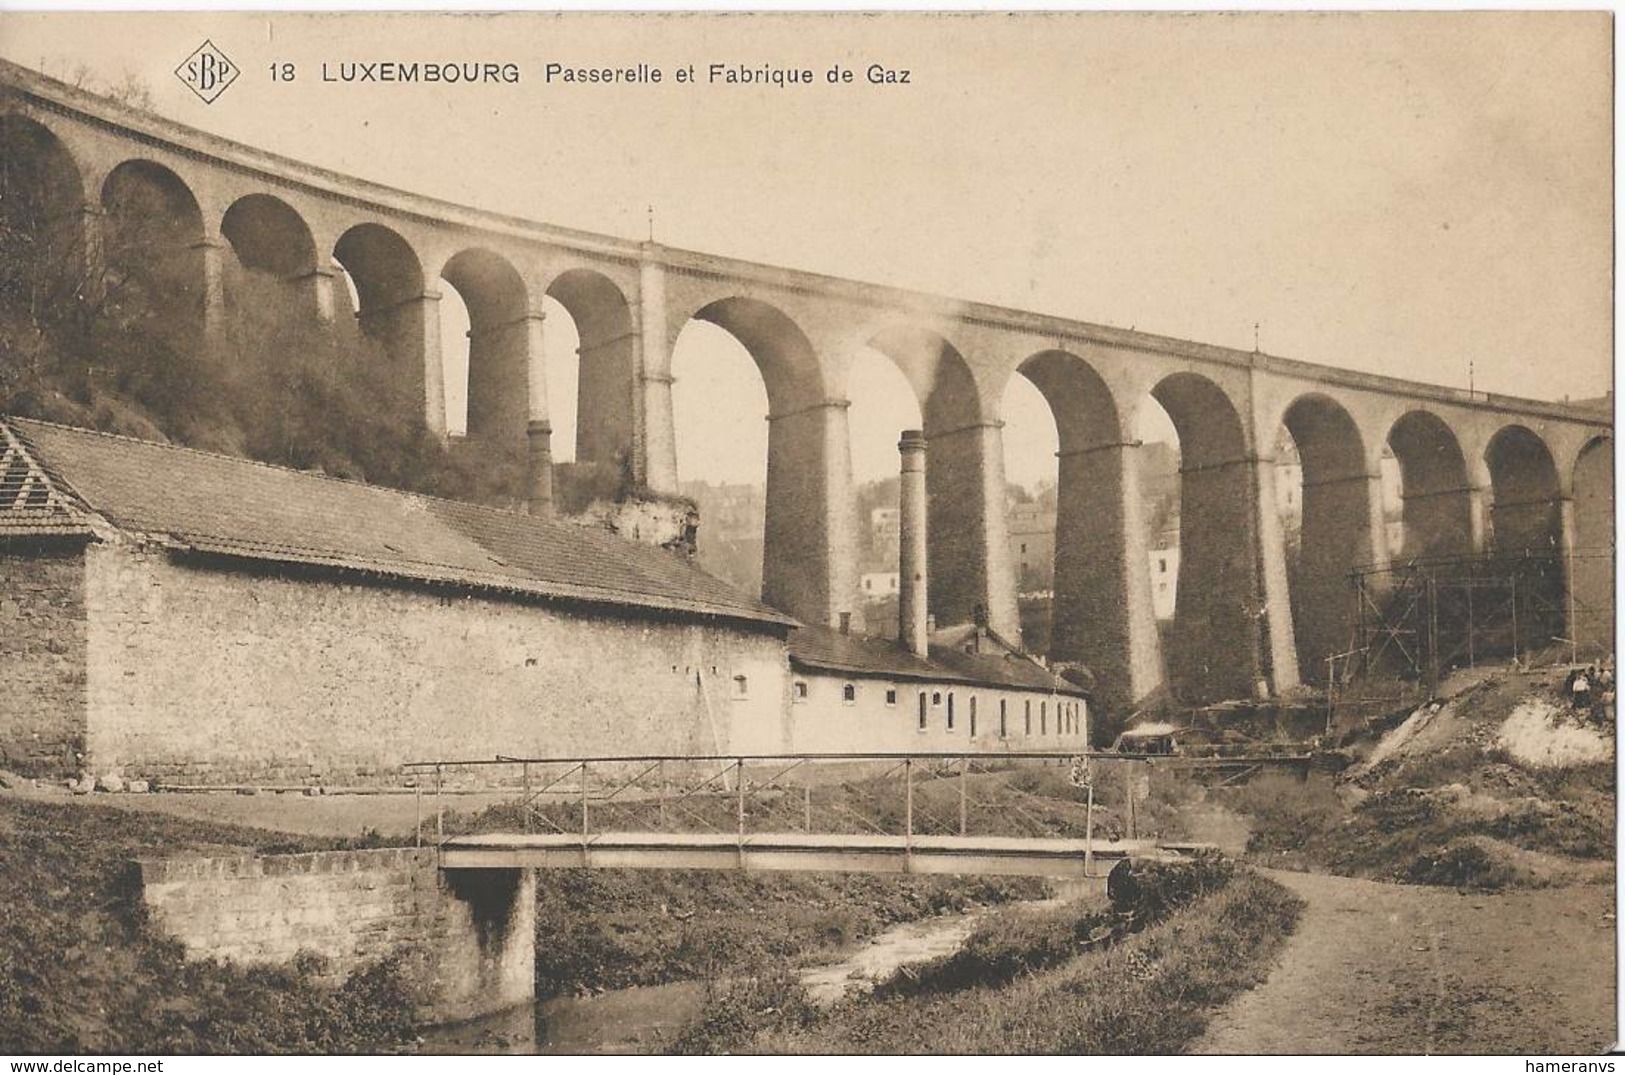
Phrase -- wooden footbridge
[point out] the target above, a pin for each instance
(1019, 813)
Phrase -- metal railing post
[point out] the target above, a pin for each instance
(439, 809)
(1128, 798)
(417, 795)
(908, 803)
(525, 802)
(584, 818)
(662, 777)
(1089, 832)
(806, 807)
(964, 770)
(739, 779)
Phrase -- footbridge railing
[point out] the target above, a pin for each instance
(1016, 812)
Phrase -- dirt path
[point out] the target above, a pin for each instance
(1380, 968)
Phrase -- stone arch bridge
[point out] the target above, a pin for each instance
(1481, 474)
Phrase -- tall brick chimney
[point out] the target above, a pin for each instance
(912, 627)
(539, 468)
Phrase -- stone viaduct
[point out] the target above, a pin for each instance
(1481, 473)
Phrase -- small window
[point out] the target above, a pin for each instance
(973, 716)
(1162, 567)
(1043, 718)
(936, 697)
(1027, 717)
(798, 690)
(1023, 546)
(1004, 730)
(922, 711)
(849, 693)
(891, 695)
(950, 711)
(741, 687)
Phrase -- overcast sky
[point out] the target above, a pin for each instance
(1399, 193)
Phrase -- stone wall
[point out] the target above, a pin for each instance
(42, 658)
(468, 936)
(200, 674)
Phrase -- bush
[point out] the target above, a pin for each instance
(1463, 864)
(1147, 889)
(1288, 814)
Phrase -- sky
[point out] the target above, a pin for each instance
(1401, 193)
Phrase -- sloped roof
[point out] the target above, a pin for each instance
(820, 649)
(32, 504)
(224, 506)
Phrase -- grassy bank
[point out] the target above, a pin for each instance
(1151, 993)
(608, 929)
(81, 971)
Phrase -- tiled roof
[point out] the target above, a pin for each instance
(225, 506)
(32, 504)
(821, 649)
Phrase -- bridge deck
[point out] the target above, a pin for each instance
(1025, 856)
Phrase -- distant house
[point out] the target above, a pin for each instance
(972, 692)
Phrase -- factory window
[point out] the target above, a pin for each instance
(1004, 730)
(1162, 567)
(1043, 718)
(922, 711)
(973, 716)
(1027, 717)
(891, 695)
(936, 697)
(798, 691)
(849, 693)
(950, 711)
(741, 687)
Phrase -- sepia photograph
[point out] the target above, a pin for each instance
(710, 533)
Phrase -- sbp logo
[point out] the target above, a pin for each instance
(207, 72)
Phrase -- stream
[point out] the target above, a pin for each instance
(640, 1019)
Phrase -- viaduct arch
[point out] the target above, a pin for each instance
(146, 202)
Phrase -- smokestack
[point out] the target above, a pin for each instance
(912, 628)
(539, 469)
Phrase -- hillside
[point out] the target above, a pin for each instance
(1500, 783)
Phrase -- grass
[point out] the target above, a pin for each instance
(1005, 947)
(609, 929)
(84, 972)
(1151, 994)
